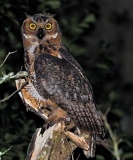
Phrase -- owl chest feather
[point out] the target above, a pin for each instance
(31, 54)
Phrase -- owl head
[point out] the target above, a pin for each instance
(40, 28)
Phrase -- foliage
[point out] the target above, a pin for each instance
(78, 21)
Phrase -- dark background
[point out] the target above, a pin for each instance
(99, 34)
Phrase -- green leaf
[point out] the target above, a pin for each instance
(99, 157)
(53, 4)
(118, 112)
(102, 66)
(90, 18)
(128, 155)
(113, 96)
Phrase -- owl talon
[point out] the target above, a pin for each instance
(54, 120)
(48, 124)
(66, 120)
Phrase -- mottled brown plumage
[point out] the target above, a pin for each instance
(57, 76)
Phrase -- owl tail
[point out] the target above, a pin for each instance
(92, 150)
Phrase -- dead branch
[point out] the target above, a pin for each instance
(115, 141)
(11, 76)
(7, 57)
(7, 98)
(78, 141)
(51, 145)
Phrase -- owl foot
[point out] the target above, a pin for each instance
(66, 120)
(52, 120)
(57, 116)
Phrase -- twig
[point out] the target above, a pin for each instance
(2, 153)
(7, 57)
(12, 76)
(114, 139)
(78, 156)
(107, 111)
(7, 98)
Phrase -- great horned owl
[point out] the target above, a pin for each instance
(57, 77)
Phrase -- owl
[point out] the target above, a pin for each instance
(57, 78)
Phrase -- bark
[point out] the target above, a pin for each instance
(51, 145)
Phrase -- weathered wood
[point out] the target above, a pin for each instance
(51, 145)
(77, 140)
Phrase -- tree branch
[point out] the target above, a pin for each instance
(2, 153)
(7, 57)
(12, 76)
(115, 140)
(51, 145)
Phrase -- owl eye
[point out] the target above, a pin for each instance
(32, 26)
(48, 26)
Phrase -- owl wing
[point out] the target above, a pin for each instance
(63, 81)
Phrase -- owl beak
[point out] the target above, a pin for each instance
(40, 33)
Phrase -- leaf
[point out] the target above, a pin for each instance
(113, 96)
(88, 19)
(118, 112)
(102, 66)
(129, 143)
(128, 155)
(99, 157)
(53, 4)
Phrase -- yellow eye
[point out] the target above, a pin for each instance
(48, 26)
(32, 26)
